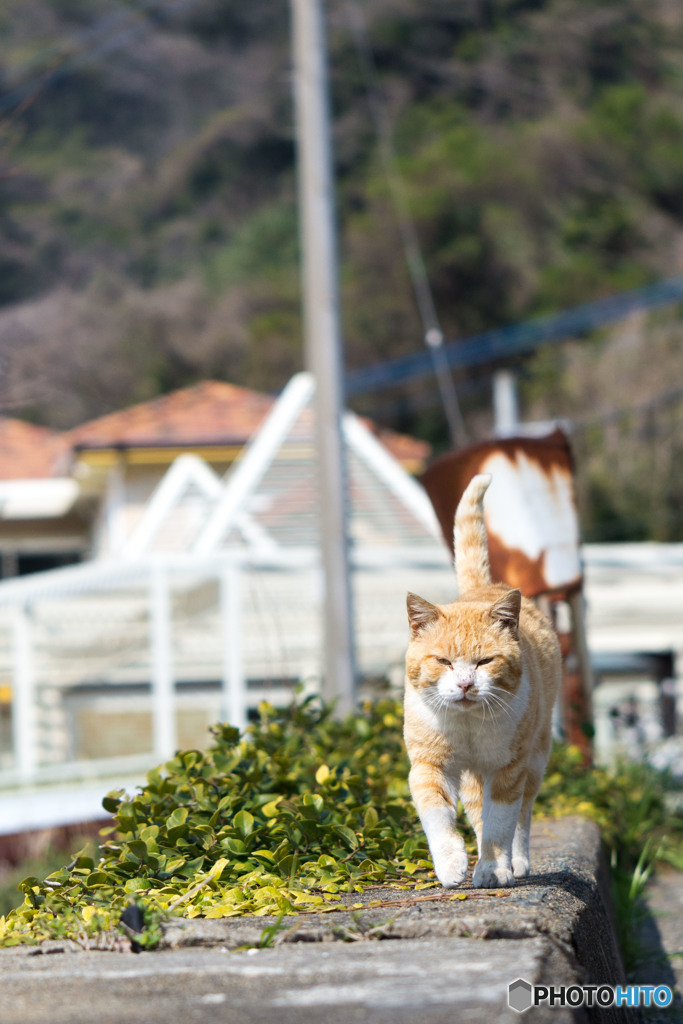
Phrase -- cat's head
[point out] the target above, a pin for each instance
(466, 654)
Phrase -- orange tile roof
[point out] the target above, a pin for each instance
(213, 413)
(28, 452)
(208, 413)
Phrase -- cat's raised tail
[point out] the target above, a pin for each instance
(469, 536)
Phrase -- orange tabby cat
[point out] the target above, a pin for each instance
(482, 675)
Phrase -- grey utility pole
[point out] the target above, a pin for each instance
(323, 340)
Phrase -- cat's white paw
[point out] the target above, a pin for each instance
(520, 867)
(489, 874)
(451, 869)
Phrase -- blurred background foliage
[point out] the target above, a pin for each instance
(148, 233)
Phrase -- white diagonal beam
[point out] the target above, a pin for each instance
(245, 476)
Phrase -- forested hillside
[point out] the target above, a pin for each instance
(148, 233)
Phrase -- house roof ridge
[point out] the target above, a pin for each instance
(208, 413)
(176, 396)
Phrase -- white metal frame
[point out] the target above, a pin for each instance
(186, 469)
(375, 455)
(246, 475)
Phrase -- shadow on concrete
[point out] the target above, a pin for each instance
(658, 936)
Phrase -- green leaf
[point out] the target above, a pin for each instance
(82, 863)
(191, 867)
(325, 861)
(244, 823)
(287, 865)
(234, 845)
(138, 849)
(136, 884)
(97, 878)
(371, 818)
(126, 818)
(178, 817)
(345, 834)
(28, 884)
(266, 855)
(112, 801)
(314, 800)
(174, 834)
(172, 866)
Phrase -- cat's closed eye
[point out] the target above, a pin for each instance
(442, 661)
(484, 661)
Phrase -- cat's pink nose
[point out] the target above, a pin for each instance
(465, 686)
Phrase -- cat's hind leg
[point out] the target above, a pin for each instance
(520, 842)
(502, 802)
(472, 795)
(436, 803)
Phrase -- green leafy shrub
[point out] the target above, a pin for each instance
(286, 818)
(627, 802)
(293, 814)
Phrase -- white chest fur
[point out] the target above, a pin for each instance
(481, 737)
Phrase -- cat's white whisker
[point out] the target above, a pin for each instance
(500, 705)
(484, 705)
(501, 695)
(499, 689)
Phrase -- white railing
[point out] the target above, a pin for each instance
(237, 626)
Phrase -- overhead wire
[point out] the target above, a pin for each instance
(501, 344)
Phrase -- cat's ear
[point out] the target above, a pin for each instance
(506, 611)
(421, 614)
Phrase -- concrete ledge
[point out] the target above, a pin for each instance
(452, 958)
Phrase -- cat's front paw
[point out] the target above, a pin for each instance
(489, 874)
(451, 869)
